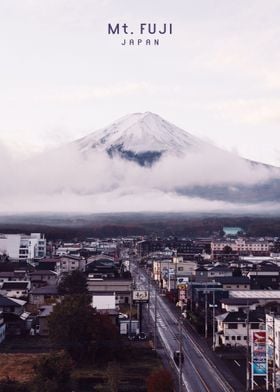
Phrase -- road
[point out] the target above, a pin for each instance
(199, 374)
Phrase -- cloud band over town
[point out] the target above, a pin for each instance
(139, 163)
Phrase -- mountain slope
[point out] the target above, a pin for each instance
(140, 137)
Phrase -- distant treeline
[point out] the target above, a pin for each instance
(178, 225)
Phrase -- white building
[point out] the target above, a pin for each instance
(67, 264)
(23, 247)
(233, 329)
(273, 333)
(241, 245)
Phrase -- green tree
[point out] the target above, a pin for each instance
(82, 332)
(71, 326)
(160, 380)
(53, 374)
(73, 283)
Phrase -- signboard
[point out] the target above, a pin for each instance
(269, 333)
(182, 292)
(140, 296)
(259, 358)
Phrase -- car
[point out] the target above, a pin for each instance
(142, 336)
(122, 316)
(176, 357)
(132, 336)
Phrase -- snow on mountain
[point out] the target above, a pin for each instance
(140, 137)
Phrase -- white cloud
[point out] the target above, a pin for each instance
(64, 180)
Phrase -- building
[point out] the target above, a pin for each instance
(234, 282)
(264, 276)
(45, 295)
(121, 288)
(17, 289)
(41, 278)
(66, 264)
(232, 231)
(241, 246)
(22, 247)
(273, 336)
(233, 329)
(42, 319)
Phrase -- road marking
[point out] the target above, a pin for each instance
(237, 363)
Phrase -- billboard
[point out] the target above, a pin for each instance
(269, 335)
(259, 357)
(140, 296)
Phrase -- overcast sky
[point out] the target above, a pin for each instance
(62, 76)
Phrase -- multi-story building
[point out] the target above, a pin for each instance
(67, 264)
(21, 247)
(241, 246)
(233, 328)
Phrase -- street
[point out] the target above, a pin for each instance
(199, 373)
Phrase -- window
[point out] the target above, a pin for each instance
(254, 325)
(233, 338)
(245, 337)
(180, 268)
(226, 337)
(232, 326)
(238, 337)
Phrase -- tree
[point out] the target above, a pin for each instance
(71, 325)
(82, 331)
(160, 380)
(73, 283)
(53, 374)
(227, 250)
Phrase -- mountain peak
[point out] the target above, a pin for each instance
(140, 137)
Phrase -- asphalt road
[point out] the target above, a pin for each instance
(199, 373)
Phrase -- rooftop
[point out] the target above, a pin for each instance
(255, 294)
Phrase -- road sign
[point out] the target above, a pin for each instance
(140, 296)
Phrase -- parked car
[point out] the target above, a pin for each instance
(142, 336)
(122, 316)
(176, 357)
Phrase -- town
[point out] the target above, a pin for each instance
(204, 312)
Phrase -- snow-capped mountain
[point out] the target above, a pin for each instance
(140, 163)
(141, 137)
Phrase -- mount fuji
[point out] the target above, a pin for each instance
(141, 137)
(141, 162)
(200, 169)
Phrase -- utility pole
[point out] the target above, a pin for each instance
(206, 313)
(149, 307)
(181, 353)
(155, 325)
(214, 323)
(274, 357)
(248, 352)
(130, 312)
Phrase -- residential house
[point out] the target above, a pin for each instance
(121, 288)
(17, 289)
(45, 295)
(66, 264)
(41, 278)
(42, 319)
(265, 275)
(234, 282)
(233, 328)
